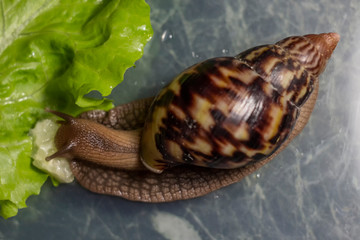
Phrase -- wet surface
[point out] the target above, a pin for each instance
(310, 191)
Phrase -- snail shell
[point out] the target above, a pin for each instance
(230, 114)
(231, 111)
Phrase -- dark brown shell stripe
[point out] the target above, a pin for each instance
(210, 115)
(286, 74)
(301, 49)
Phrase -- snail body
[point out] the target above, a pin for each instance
(215, 123)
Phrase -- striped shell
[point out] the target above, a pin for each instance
(231, 111)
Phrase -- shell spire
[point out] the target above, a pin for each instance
(325, 44)
(312, 50)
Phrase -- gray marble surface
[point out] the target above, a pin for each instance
(310, 191)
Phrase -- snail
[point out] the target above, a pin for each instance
(215, 123)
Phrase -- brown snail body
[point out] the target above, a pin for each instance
(231, 115)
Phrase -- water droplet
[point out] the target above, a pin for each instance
(188, 158)
(166, 35)
(32, 54)
(191, 123)
(194, 55)
(225, 51)
(142, 27)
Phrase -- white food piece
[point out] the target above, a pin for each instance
(43, 141)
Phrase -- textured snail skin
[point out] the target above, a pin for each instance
(186, 181)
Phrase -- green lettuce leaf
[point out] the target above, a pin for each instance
(52, 53)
